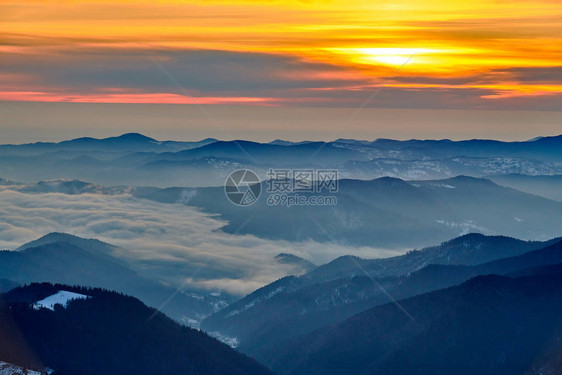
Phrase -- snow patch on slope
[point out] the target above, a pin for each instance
(256, 301)
(9, 369)
(62, 297)
(233, 342)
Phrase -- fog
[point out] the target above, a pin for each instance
(169, 242)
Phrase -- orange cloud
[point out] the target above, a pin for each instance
(437, 39)
(38, 96)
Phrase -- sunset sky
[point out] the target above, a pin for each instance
(432, 54)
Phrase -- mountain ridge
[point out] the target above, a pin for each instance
(93, 263)
(461, 329)
(294, 305)
(134, 158)
(108, 333)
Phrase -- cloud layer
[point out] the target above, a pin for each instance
(170, 242)
(157, 75)
(284, 53)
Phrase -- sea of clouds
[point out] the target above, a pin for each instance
(173, 243)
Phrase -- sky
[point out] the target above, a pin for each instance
(303, 55)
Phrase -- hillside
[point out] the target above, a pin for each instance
(487, 325)
(290, 307)
(67, 259)
(109, 333)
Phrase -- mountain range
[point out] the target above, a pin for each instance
(487, 325)
(134, 159)
(350, 316)
(385, 212)
(485, 300)
(290, 307)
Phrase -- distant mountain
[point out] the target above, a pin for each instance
(353, 142)
(110, 161)
(293, 306)
(62, 258)
(67, 186)
(544, 147)
(488, 325)
(418, 167)
(270, 155)
(549, 186)
(280, 142)
(385, 212)
(125, 142)
(436, 159)
(304, 264)
(6, 285)
(93, 246)
(470, 249)
(350, 221)
(107, 333)
(551, 141)
(122, 140)
(4, 182)
(134, 159)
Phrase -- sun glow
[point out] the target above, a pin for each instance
(387, 56)
(332, 45)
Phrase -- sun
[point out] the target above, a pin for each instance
(383, 55)
(390, 56)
